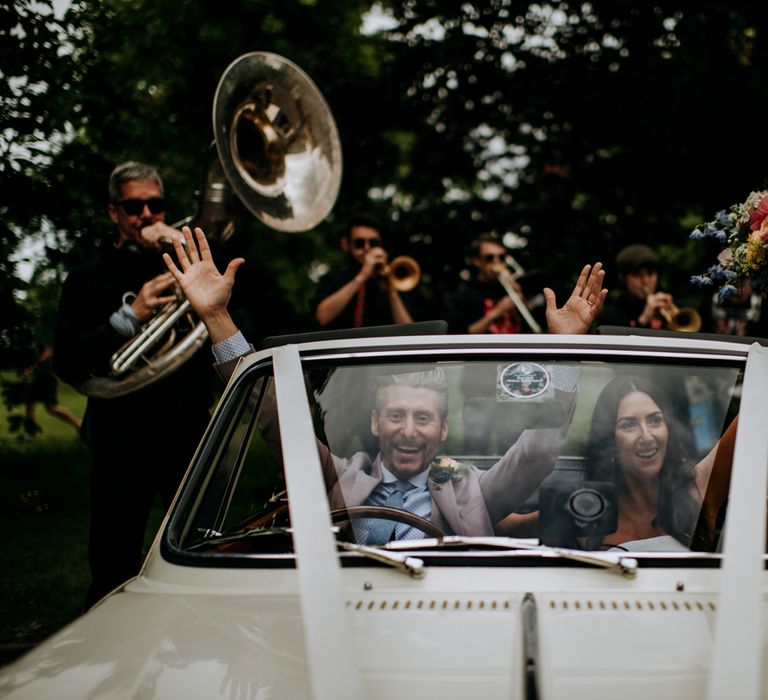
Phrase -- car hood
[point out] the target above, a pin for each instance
(162, 645)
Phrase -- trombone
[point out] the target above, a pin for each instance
(507, 278)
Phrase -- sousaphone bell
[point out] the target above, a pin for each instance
(277, 141)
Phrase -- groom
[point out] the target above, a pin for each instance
(409, 419)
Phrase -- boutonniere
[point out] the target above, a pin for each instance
(444, 468)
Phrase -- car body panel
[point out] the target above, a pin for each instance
(181, 630)
(600, 637)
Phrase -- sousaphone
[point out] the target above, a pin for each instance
(278, 149)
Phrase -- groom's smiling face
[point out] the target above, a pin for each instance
(409, 427)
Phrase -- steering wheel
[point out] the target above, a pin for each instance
(387, 513)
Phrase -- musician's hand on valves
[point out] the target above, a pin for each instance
(157, 234)
(582, 307)
(374, 264)
(654, 304)
(152, 296)
(207, 290)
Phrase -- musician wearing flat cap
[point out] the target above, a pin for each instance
(638, 304)
(140, 442)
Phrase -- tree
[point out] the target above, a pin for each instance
(578, 126)
(581, 126)
(34, 94)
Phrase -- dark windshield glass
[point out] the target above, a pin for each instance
(590, 455)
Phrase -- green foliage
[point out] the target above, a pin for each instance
(629, 117)
(581, 127)
(145, 76)
(45, 493)
(34, 100)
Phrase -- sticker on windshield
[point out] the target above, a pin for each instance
(522, 380)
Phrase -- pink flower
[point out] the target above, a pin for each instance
(758, 214)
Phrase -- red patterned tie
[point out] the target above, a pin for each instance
(359, 306)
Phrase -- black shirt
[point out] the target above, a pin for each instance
(376, 307)
(177, 404)
(624, 309)
(474, 300)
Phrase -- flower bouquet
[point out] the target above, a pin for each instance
(743, 233)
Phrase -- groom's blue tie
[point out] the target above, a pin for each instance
(382, 529)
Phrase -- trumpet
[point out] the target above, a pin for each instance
(404, 273)
(506, 278)
(683, 320)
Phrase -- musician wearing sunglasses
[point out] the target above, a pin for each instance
(142, 441)
(358, 293)
(481, 305)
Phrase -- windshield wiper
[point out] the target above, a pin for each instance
(613, 561)
(616, 562)
(213, 537)
(410, 565)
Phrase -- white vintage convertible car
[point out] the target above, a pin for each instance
(569, 538)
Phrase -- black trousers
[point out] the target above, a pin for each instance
(125, 481)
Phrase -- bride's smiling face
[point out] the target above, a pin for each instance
(641, 435)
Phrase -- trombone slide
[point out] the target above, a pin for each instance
(518, 301)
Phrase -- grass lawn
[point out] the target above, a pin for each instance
(44, 496)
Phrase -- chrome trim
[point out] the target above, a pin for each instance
(529, 620)
(362, 348)
(406, 352)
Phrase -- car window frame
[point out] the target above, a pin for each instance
(236, 400)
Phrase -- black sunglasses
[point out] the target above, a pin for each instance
(360, 243)
(491, 257)
(134, 207)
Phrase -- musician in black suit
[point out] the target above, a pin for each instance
(142, 442)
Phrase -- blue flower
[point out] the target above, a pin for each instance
(723, 218)
(712, 231)
(441, 476)
(701, 281)
(727, 291)
(696, 234)
(716, 273)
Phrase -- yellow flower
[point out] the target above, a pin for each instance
(755, 253)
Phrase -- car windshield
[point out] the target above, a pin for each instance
(588, 454)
